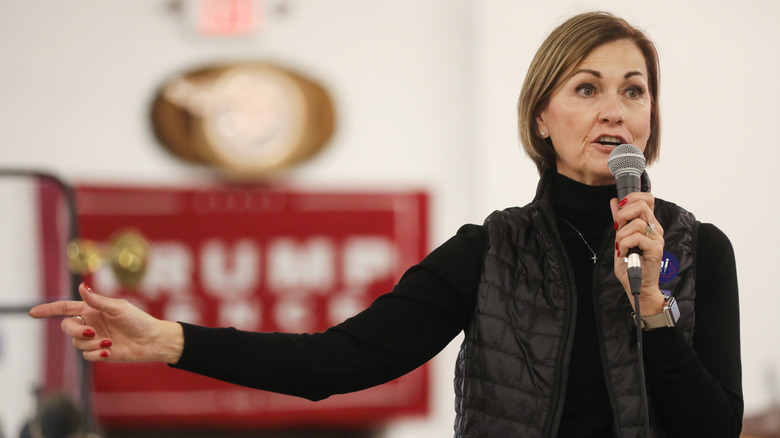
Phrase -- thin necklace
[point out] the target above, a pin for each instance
(594, 258)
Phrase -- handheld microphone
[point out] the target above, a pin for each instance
(626, 163)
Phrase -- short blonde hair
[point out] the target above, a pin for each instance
(565, 48)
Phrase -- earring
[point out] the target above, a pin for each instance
(544, 134)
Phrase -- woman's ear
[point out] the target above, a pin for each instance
(541, 127)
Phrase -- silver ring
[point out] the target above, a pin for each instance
(650, 229)
(81, 319)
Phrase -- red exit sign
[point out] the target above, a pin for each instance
(224, 17)
(257, 259)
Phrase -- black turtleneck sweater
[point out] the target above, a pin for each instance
(697, 391)
(584, 220)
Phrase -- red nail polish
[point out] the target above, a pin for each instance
(622, 202)
(106, 343)
(616, 226)
(88, 333)
(104, 354)
(89, 289)
(618, 253)
(617, 246)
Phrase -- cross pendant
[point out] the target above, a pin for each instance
(594, 258)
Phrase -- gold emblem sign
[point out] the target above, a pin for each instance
(249, 119)
(127, 251)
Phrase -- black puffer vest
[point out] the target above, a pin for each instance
(511, 372)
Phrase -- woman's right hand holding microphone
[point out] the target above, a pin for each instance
(108, 329)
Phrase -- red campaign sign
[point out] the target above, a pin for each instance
(257, 259)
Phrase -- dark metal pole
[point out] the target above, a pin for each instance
(84, 368)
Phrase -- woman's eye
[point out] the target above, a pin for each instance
(634, 92)
(586, 90)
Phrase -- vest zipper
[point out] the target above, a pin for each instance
(603, 248)
(564, 351)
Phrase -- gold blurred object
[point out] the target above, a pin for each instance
(84, 256)
(249, 119)
(127, 253)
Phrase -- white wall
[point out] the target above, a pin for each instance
(426, 94)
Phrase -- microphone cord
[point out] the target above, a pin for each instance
(635, 282)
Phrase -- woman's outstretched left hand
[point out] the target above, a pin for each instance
(109, 329)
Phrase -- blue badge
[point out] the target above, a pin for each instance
(670, 267)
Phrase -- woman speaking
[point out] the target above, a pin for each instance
(541, 291)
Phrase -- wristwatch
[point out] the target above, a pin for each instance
(667, 318)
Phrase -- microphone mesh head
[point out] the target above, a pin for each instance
(626, 158)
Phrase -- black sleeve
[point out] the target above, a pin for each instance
(698, 391)
(399, 332)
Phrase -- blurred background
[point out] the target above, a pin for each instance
(424, 96)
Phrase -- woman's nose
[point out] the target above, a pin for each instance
(612, 111)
